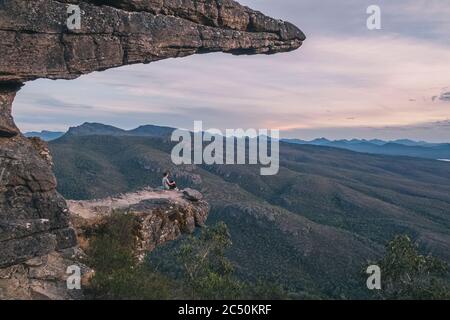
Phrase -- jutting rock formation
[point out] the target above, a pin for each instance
(36, 42)
(160, 216)
(36, 239)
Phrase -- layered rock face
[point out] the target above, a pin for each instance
(34, 222)
(37, 43)
(36, 240)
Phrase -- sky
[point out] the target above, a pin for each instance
(345, 82)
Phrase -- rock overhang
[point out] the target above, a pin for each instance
(36, 42)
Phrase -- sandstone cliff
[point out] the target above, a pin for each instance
(35, 42)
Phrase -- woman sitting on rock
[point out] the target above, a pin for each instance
(167, 183)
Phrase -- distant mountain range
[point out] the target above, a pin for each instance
(45, 135)
(101, 129)
(311, 228)
(402, 147)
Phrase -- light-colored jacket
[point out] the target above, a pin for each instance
(166, 183)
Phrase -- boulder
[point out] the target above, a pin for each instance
(192, 195)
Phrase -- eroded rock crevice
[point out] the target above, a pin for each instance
(8, 92)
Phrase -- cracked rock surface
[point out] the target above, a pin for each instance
(36, 42)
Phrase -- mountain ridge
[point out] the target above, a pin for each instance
(45, 135)
(97, 128)
(399, 147)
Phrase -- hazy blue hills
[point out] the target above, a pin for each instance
(402, 147)
(45, 135)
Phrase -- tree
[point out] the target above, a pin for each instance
(208, 274)
(406, 274)
(117, 273)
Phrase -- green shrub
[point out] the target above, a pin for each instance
(117, 274)
(203, 271)
(406, 274)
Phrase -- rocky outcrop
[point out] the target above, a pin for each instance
(36, 240)
(160, 216)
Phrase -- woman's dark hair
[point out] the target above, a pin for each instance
(166, 173)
